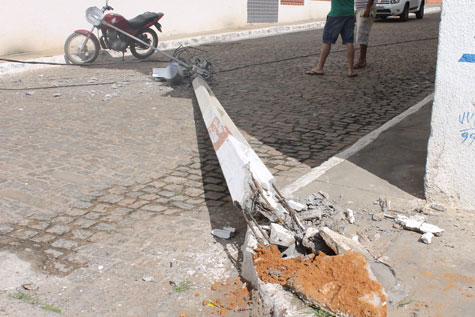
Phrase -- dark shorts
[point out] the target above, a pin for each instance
(339, 25)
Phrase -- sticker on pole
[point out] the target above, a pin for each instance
(218, 133)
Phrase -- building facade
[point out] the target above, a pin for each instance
(31, 25)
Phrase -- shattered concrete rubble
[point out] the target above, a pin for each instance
(417, 223)
(225, 233)
(341, 284)
(297, 262)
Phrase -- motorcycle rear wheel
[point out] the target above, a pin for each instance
(81, 49)
(141, 51)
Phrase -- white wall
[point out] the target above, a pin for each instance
(33, 25)
(450, 175)
(316, 10)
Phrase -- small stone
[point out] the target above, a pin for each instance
(182, 205)
(63, 219)
(84, 223)
(166, 193)
(438, 208)
(92, 215)
(142, 215)
(296, 205)
(220, 233)
(427, 237)
(325, 195)
(24, 234)
(376, 217)
(111, 198)
(29, 93)
(340, 244)
(429, 228)
(307, 239)
(101, 207)
(56, 95)
(100, 267)
(65, 244)
(82, 204)
(61, 267)
(59, 229)
(155, 208)
(350, 215)
(290, 252)
(54, 253)
(4, 229)
(230, 229)
(44, 238)
(409, 223)
(30, 286)
(104, 227)
(281, 236)
(81, 234)
(121, 211)
(147, 278)
(75, 212)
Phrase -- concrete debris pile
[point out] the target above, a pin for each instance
(342, 284)
(323, 267)
(417, 223)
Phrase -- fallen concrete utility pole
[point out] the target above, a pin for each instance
(249, 181)
(252, 189)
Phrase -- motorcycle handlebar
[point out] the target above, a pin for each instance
(107, 8)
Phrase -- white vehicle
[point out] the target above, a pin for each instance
(401, 8)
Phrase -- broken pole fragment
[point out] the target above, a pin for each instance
(250, 183)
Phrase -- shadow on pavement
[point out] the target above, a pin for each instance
(399, 154)
(144, 66)
(262, 85)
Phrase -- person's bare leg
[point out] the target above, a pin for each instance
(350, 54)
(323, 57)
(362, 58)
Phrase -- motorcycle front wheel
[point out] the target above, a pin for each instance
(141, 51)
(81, 49)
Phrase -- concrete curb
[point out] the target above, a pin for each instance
(8, 68)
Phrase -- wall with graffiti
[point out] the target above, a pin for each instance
(451, 153)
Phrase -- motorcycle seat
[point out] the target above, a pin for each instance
(142, 19)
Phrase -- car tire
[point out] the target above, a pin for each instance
(405, 14)
(420, 13)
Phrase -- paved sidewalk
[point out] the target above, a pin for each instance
(438, 277)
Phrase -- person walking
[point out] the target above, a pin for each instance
(340, 20)
(365, 12)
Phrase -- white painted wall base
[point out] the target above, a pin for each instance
(450, 170)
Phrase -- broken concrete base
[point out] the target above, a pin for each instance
(275, 298)
(283, 303)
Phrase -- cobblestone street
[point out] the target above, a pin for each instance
(108, 177)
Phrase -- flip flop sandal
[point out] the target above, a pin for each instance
(359, 66)
(312, 73)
